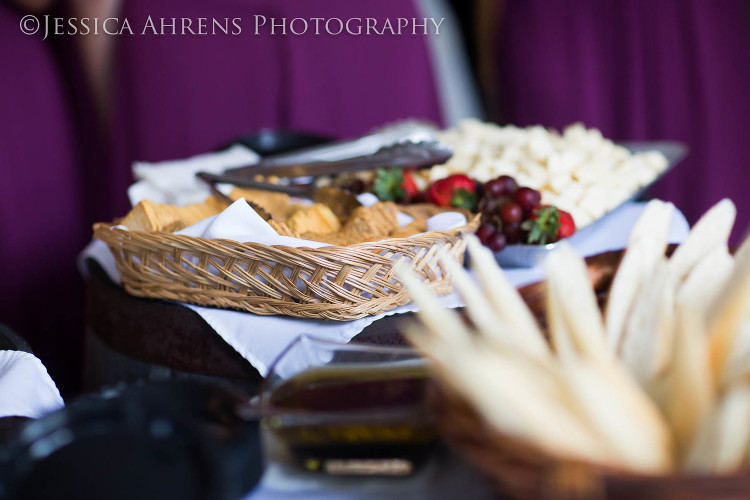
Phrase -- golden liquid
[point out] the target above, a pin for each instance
(354, 412)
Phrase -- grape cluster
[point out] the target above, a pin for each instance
(504, 207)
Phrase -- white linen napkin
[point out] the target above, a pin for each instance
(26, 389)
(174, 182)
(261, 339)
(239, 222)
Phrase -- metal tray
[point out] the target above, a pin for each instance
(520, 256)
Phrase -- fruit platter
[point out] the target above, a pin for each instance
(532, 186)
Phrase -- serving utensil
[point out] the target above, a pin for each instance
(398, 155)
(403, 131)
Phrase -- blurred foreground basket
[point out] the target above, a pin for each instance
(519, 470)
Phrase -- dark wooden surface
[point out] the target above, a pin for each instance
(130, 338)
(11, 341)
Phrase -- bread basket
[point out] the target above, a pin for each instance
(334, 282)
(517, 469)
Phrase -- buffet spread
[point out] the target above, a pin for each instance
(333, 254)
(621, 368)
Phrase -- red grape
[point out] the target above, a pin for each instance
(502, 186)
(512, 232)
(485, 233)
(497, 242)
(487, 206)
(528, 198)
(511, 212)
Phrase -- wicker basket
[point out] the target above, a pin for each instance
(334, 282)
(519, 470)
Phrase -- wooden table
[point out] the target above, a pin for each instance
(130, 338)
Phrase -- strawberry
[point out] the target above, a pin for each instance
(439, 193)
(394, 185)
(457, 190)
(567, 225)
(409, 185)
(548, 224)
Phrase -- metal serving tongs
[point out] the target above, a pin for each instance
(407, 144)
(406, 154)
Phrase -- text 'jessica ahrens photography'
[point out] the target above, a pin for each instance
(257, 25)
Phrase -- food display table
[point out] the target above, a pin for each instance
(130, 338)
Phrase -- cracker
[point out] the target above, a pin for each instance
(341, 202)
(379, 219)
(150, 216)
(276, 204)
(642, 348)
(568, 280)
(618, 424)
(316, 218)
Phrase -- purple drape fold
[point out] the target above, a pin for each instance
(640, 70)
(42, 224)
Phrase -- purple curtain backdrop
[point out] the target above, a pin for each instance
(181, 95)
(640, 70)
(42, 225)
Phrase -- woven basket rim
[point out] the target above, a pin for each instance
(470, 226)
(329, 269)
